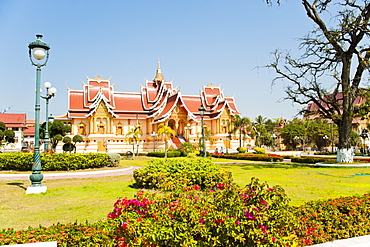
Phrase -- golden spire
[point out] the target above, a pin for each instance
(158, 75)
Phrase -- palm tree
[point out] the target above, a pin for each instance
(260, 127)
(134, 136)
(241, 125)
(166, 132)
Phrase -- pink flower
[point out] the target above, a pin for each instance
(201, 221)
(249, 216)
(196, 187)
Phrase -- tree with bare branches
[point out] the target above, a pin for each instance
(330, 73)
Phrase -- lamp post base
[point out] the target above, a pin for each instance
(36, 189)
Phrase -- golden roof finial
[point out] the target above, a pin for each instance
(158, 75)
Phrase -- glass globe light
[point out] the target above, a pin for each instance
(47, 84)
(38, 53)
(52, 91)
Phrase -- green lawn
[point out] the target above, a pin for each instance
(92, 199)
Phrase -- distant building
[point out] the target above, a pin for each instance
(17, 123)
(104, 117)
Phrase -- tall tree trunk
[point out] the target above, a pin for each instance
(345, 153)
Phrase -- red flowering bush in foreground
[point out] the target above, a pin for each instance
(79, 235)
(226, 216)
(326, 220)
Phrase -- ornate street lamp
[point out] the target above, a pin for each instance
(50, 92)
(188, 128)
(325, 137)
(39, 50)
(274, 137)
(201, 111)
(364, 135)
(154, 135)
(296, 138)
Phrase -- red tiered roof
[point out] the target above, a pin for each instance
(157, 99)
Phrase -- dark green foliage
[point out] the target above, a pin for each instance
(311, 159)
(53, 162)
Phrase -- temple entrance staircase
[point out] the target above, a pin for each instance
(177, 140)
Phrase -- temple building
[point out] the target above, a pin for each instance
(105, 117)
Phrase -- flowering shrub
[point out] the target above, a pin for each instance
(169, 174)
(225, 216)
(327, 220)
(249, 156)
(79, 235)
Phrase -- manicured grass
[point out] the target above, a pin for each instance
(92, 199)
(303, 183)
(65, 201)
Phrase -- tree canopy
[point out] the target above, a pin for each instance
(335, 56)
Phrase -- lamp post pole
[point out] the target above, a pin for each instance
(273, 141)
(296, 138)
(188, 128)
(154, 135)
(325, 137)
(40, 51)
(50, 92)
(201, 111)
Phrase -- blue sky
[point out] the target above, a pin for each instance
(197, 42)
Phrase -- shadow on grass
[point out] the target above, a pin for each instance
(20, 185)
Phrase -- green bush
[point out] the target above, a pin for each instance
(170, 154)
(259, 151)
(53, 162)
(169, 174)
(225, 216)
(241, 149)
(311, 159)
(113, 159)
(71, 235)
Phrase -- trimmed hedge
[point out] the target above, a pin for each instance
(254, 157)
(56, 162)
(312, 159)
(170, 154)
(170, 174)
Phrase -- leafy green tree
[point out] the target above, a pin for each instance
(165, 132)
(317, 129)
(240, 125)
(57, 130)
(261, 131)
(290, 134)
(2, 126)
(68, 145)
(334, 61)
(6, 135)
(76, 139)
(134, 137)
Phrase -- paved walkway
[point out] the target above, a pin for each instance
(71, 175)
